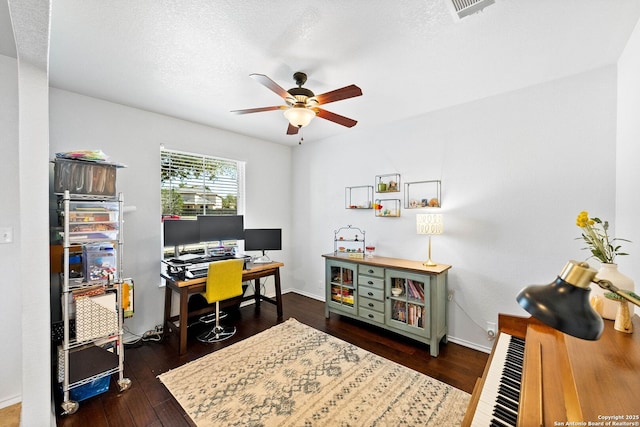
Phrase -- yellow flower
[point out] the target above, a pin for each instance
(594, 233)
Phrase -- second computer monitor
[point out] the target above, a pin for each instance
(221, 227)
(181, 232)
(263, 239)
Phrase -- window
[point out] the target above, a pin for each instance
(196, 184)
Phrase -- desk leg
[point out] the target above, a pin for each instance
(167, 305)
(278, 292)
(184, 319)
(256, 291)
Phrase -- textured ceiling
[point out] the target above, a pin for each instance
(192, 59)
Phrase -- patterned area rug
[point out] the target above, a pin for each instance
(294, 375)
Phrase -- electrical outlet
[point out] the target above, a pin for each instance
(450, 295)
(491, 331)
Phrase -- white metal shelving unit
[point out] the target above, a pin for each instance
(99, 353)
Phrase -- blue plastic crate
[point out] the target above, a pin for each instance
(91, 389)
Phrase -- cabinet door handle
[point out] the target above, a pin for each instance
(370, 294)
(371, 316)
(371, 304)
(370, 282)
(370, 271)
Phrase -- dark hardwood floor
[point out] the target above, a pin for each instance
(148, 403)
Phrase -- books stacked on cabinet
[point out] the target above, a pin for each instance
(415, 290)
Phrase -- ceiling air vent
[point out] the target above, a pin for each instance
(464, 8)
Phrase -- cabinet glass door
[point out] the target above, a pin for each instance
(343, 291)
(408, 302)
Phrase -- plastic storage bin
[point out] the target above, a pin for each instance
(91, 389)
(82, 177)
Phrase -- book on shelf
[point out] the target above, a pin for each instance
(416, 315)
(416, 289)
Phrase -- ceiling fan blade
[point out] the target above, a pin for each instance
(271, 85)
(292, 130)
(259, 110)
(339, 94)
(336, 118)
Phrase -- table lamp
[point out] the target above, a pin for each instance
(429, 224)
(564, 303)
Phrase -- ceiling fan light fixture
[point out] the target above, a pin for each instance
(299, 116)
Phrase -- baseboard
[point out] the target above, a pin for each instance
(305, 294)
(8, 402)
(469, 344)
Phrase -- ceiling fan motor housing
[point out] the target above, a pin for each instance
(302, 104)
(301, 97)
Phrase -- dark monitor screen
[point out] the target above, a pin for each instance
(181, 232)
(263, 239)
(221, 227)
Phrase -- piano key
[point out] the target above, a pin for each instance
(509, 392)
(498, 401)
(508, 403)
(505, 415)
(498, 423)
(509, 382)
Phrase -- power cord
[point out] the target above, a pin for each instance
(153, 335)
(490, 334)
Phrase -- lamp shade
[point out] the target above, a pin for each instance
(564, 303)
(299, 116)
(429, 223)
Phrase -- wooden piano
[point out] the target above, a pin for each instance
(564, 381)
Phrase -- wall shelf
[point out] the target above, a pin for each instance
(389, 183)
(359, 197)
(422, 194)
(387, 207)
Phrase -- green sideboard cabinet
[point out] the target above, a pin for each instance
(398, 295)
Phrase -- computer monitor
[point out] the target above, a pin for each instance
(220, 227)
(181, 232)
(262, 239)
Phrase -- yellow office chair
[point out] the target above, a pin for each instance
(224, 281)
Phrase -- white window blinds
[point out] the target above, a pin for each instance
(195, 184)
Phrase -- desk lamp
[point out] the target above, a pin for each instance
(429, 224)
(564, 303)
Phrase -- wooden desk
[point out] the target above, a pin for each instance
(186, 287)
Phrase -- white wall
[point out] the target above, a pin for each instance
(133, 137)
(11, 301)
(516, 170)
(627, 156)
(33, 137)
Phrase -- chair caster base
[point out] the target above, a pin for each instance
(217, 334)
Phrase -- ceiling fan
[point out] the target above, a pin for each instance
(302, 104)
